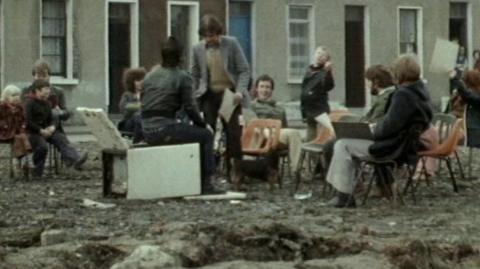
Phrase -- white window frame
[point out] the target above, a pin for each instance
(2, 44)
(134, 40)
(470, 35)
(68, 79)
(368, 54)
(194, 37)
(419, 11)
(311, 20)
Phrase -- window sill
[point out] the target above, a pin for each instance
(63, 81)
(294, 81)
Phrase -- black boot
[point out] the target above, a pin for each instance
(344, 200)
(208, 188)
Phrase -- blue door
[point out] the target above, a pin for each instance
(240, 26)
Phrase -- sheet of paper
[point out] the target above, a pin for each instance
(228, 106)
(444, 56)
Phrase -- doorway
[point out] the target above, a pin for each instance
(354, 56)
(183, 19)
(118, 50)
(458, 30)
(240, 25)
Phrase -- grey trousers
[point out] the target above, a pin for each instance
(40, 150)
(341, 173)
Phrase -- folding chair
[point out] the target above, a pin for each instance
(444, 123)
(445, 150)
(285, 163)
(386, 167)
(260, 139)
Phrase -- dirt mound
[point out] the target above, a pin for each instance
(419, 254)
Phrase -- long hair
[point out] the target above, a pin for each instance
(8, 92)
(130, 76)
(41, 67)
(472, 79)
(380, 75)
(210, 24)
(406, 69)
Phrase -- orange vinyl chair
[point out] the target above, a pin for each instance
(261, 139)
(445, 150)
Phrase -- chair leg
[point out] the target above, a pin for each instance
(452, 176)
(55, 161)
(470, 160)
(298, 173)
(460, 167)
(383, 181)
(282, 167)
(12, 172)
(414, 187)
(319, 163)
(424, 172)
(289, 166)
(369, 185)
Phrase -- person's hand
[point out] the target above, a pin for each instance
(238, 97)
(209, 128)
(328, 66)
(51, 129)
(452, 73)
(45, 133)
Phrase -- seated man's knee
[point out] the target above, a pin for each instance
(41, 149)
(339, 144)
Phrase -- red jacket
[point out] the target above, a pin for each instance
(12, 120)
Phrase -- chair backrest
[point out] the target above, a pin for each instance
(261, 136)
(336, 115)
(444, 123)
(325, 134)
(450, 144)
(350, 118)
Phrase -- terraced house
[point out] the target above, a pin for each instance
(90, 42)
(283, 34)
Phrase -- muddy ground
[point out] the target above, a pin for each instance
(44, 224)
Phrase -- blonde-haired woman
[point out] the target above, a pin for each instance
(316, 84)
(12, 123)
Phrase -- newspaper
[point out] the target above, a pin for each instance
(228, 105)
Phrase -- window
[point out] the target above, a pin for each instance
(183, 19)
(300, 41)
(410, 32)
(56, 37)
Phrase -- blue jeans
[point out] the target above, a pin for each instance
(180, 133)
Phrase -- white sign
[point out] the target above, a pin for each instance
(444, 57)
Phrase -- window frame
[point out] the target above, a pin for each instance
(419, 31)
(194, 37)
(311, 41)
(134, 40)
(68, 79)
